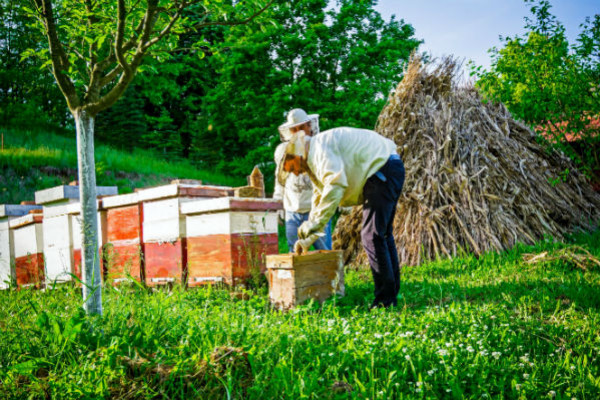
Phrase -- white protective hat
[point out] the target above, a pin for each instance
(296, 117)
(296, 146)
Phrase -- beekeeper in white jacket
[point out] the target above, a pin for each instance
(350, 166)
(296, 191)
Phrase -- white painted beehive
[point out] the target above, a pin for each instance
(228, 238)
(28, 258)
(7, 213)
(62, 230)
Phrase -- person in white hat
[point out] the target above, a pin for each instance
(296, 190)
(350, 166)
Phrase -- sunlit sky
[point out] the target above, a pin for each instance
(468, 28)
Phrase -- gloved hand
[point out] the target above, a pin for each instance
(307, 228)
(303, 245)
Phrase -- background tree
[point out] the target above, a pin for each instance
(550, 84)
(95, 49)
(340, 63)
(28, 94)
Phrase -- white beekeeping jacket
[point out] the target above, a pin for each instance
(297, 193)
(341, 161)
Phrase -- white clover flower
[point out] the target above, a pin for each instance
(496, 354)
(518, 386)
(442, 352)
(419, 383)
(572, 367)
(430, 372)
(404, 349)
(521, 365)
(448, 390)
(552, 393)
(407, 357)
(470, 349)
(378, 335)
(526, 376)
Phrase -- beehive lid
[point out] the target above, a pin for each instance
(64, 209)
(25, 220)
(16, 210)
(68, 192)
(230, 204)
(181, 190)
(121, 200)
(293, 260)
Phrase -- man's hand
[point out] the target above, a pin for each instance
(307, 228)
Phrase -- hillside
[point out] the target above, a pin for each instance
(35, 160)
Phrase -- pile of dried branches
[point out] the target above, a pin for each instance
(576, 256)
(476, 179)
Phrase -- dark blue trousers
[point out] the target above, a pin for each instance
(381, 193)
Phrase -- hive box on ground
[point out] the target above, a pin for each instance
(63, 230)
(123, 254)
(295, 278)
(164, 243)
(27, 237)
(7, 247)
(228, 238)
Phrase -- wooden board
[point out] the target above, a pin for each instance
(28, 251)
(165, 262)
(228, 258)
(293, 278)
(123, 252)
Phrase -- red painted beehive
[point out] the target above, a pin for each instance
(26, 232)
(9, 212)
(163, 229)
(123, 254)
(228, 238)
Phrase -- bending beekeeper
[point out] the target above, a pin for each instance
(296, 190)
(348, 167)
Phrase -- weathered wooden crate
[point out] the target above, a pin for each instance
(27, 237)
(9, 212)
(228, 238)
(294, 278)
(63, 231)
(164, 243)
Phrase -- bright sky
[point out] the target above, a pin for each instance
(468, 28)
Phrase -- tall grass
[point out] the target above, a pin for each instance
(493, 327)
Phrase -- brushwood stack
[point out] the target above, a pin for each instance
(476, 178)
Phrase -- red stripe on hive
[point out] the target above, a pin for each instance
(123, 223)
(30, 269)
(249, 251)
(120, 261)
(208, 257)
(163, 260)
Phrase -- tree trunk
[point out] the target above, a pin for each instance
(90, 262)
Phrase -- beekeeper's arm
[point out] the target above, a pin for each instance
(324, 203)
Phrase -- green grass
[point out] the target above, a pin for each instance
(35, 160)
(494, 327)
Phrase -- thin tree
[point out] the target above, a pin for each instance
(95, 48)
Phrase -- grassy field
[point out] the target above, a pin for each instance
(35, 160)
(494, 327)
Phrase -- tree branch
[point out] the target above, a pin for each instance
(58, 56)
(233, 23)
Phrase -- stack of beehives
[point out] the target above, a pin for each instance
(476, 178)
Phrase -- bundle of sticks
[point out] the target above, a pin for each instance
(477, 180)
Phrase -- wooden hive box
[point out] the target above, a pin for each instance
(164, 244)
(62, 230)
(294, 278)
(123, 253)
(228, 238)
(9, 212)
(28, 240)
